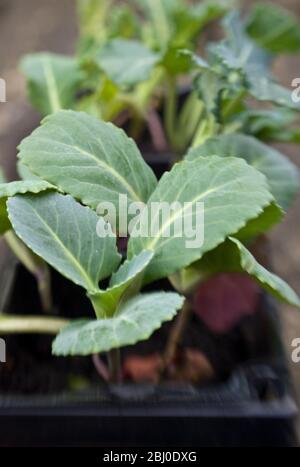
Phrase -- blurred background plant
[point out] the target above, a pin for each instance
(134, 63)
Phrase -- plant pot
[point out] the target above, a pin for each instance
(225, 415)
(253, 406)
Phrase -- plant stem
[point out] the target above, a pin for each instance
(206, 129)
(189, 118)
(35, 265)
(145, 91)
(140, 102)
(175, 335)
(103, 311)
(101, 308)
(114, 362)
(156, 131)
(100, 367)
(14, 324)
(170, 113)
(159, 20)
(43, 278)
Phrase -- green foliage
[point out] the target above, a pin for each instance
(4, 221)
(245, 65)
(52, 79)
(278, 124)
(125, 282)
(130, 48)
(274, 28)
(127, 62)
(177, 23)
(232, 256)
(128, 67)
(88, 159)
(232, 193)
(63, 232)
(92, 160)
(102, 20)
(264, 89)
(282, 175)
(134, 321)
(10, 189)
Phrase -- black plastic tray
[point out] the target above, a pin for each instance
(236, 413)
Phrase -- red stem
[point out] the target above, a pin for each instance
(156, 131)
(100, 367)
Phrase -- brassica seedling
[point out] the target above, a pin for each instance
(79, 161)
(131, 61)
(127, 65)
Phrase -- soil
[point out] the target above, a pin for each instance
(31, 369)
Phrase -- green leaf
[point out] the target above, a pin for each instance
(209, 86)
(267, 124)
(201, 14)
(283, 175)
(269, 217)
(13, 188)
(123, 22)
(196, 60)
(159, 27)
(274, 28)
(288, 135)
(23, 186)
(52, 80)
(126, 281)
(92, 17)
(238, 51)
(63, 233)
(251, 63)
(232, 193)
(24, 172)
(4, 221)
(188, 20)
(90, 104)
(176, 61)
(89, 159)
(134, 322)
(127, 62)
(276, 125)
(264, 89)
(175, 23)
(233, 256)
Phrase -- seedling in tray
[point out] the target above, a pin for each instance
(79, 161)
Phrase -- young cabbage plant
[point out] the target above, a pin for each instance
(130, 63)
(34, 264)
(127, 65)
(237, 68)
(82, 161)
